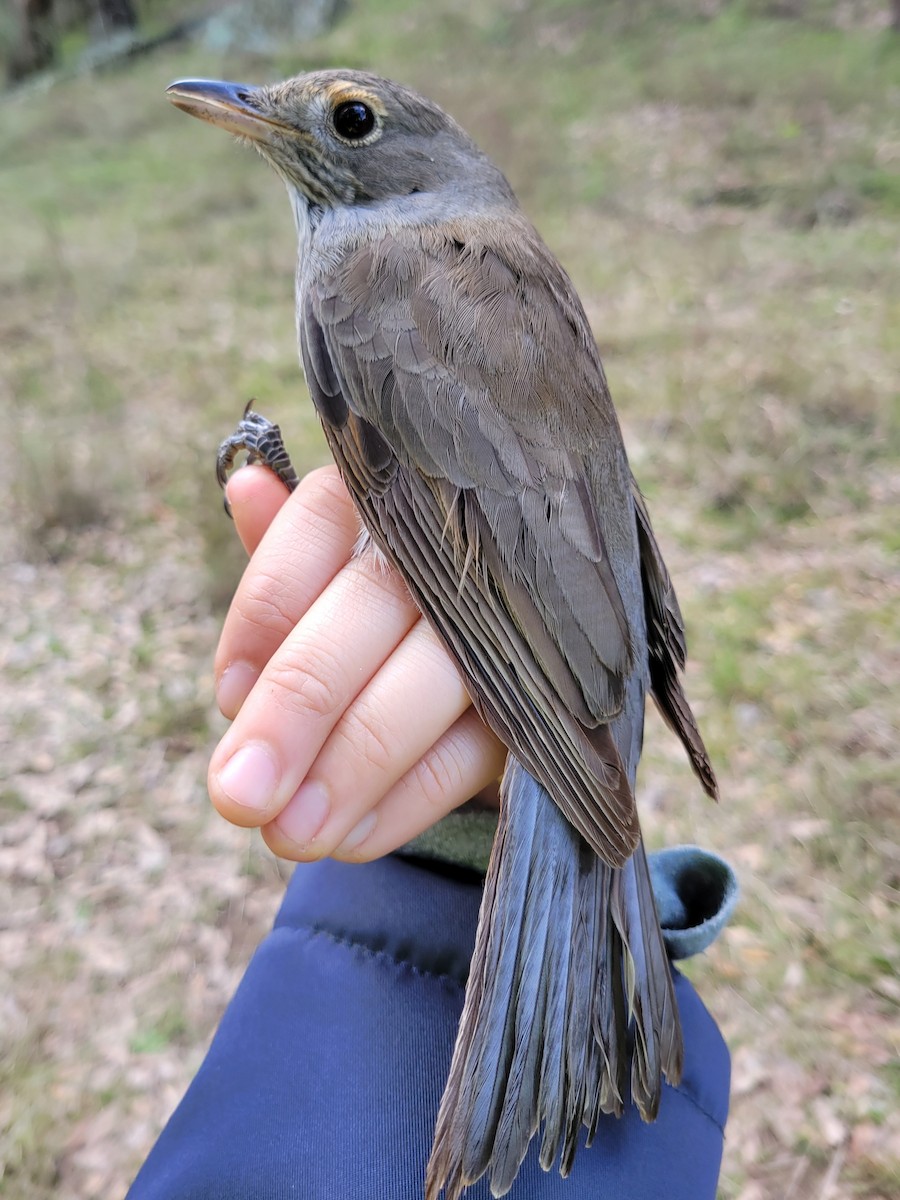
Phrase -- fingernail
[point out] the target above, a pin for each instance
(250, 777)
(234, 687)
(357, 834)
(305, 814)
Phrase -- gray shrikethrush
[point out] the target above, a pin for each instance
(461, 393)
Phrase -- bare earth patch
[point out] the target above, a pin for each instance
(129, 909)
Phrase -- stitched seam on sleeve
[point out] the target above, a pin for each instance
(383, 956)
(695, 1103)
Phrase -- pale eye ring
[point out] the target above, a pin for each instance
(353, 120)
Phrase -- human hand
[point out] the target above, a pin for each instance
(352, 732)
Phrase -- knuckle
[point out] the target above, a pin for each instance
(266, 605)
(310, 686)
(440, 772)
(369, 740)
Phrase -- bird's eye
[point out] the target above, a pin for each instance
(353, 120)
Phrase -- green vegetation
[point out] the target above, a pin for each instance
(723, 183)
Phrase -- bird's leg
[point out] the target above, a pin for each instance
(263, 443)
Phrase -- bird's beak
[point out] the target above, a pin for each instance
(233, 106)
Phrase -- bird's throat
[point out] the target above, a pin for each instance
(306, 215)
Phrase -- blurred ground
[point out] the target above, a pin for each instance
(723, 182)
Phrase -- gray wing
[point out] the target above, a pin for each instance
(667, 650)
(436, 371)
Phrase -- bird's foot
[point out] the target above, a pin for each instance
(263, 443)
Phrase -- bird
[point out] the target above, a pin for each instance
(462, 395)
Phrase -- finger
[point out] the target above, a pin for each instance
(310, 538)
(414, 698)
(254, 496)
(327, 659)
(467, 758)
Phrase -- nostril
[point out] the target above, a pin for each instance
(242, 95)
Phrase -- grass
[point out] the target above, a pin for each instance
(722, 183)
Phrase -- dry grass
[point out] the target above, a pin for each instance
(722, 183)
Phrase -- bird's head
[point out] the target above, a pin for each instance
(345, 137)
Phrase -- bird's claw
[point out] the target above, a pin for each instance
(263, 443)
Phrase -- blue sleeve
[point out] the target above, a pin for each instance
(324, 1077)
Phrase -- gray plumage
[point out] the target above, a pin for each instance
(461, 393)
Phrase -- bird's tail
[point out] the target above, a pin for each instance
(568, 953)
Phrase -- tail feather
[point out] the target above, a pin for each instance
(568, 955)
(519, 1116)
(485, 1087)
(610, 1009)
(658, 1045)
(556, 1068)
